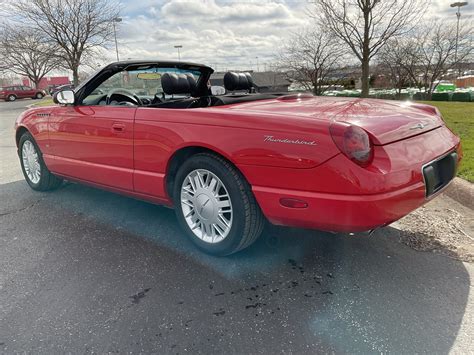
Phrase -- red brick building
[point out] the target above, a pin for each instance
(47, 82)
(465, 81)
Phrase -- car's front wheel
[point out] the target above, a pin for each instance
(39, 96)
(34, 169)
(215, 205)
(11, 97)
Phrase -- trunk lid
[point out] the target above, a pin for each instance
(385, 121)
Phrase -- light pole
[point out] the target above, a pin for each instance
(179, 55)
(116, 19)
(258, 69)
(458, 4)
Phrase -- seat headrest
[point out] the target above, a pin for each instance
(173, 83)
(237, 81)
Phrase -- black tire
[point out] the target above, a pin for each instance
(11, 98)
(247, 218)
(39, 96)
(47, 180)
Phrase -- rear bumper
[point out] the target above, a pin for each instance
(356, 213)
(340, 213)
(342, 197)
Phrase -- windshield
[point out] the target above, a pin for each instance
(143, 82)
(88, 78)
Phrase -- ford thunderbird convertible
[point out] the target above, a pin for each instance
(228, 163)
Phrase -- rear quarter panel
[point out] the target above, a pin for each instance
(240, 137)
(396, 166)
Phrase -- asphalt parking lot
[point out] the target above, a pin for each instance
(87, 271)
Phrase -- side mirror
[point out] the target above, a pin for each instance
(65, 97)
(217, 90)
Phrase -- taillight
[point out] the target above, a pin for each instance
(353, 142)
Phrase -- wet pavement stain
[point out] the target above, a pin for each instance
(258, 304)
(221, 312)
(307, 281)
(137, 297)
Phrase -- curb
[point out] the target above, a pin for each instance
(462, 191)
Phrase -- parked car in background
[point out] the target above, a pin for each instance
(60, 87)
(11, 93)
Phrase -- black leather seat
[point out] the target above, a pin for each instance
(238, 81)
(177, 84)
(174, 84)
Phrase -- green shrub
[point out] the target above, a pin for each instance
(403, 96)
(464, 96)
(387, 96)
(441, 96)
(354, 94)
(420, 96)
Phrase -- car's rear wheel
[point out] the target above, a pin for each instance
(39, 96)
(11, 97)
(215, 205)
(34, 169)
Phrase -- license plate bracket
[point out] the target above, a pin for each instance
(438, 173)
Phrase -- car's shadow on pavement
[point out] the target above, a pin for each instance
(90, 271)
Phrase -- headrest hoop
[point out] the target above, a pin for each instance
(173, 83)
(237, 81)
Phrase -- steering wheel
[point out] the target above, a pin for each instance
(129, 97)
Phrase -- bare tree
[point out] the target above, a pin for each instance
(310, 57)
(25, 52)
(76, 26)
(434, 48)
(366, 25)
(397, 59)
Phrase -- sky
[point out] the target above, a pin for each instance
(222, 33)
(225, 34)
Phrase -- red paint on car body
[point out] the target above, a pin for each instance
(128, 150)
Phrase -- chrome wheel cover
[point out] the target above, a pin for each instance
(31, 163)
(206, 206)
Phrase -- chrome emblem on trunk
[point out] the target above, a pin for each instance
(287, 140)
(420, 125)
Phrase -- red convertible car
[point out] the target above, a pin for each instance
(154, 131)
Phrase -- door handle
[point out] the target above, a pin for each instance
(118, 128)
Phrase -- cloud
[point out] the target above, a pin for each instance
(239, 12)
(226, 33)
(442, 9)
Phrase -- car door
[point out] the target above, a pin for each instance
(19, 92)
(93, 143)
(28, 91)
